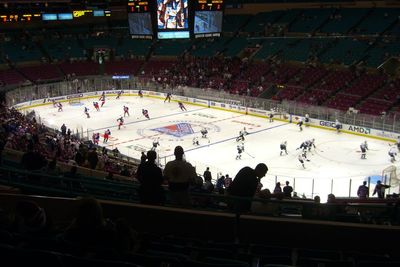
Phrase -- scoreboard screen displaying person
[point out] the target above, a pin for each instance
(207, 22)
(140, 23)
(139, 18)
(173, 19)
(208, 17)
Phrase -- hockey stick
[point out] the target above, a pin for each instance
(249, 154)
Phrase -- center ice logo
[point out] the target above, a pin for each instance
(177, 130)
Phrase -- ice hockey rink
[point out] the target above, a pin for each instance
(335, 165)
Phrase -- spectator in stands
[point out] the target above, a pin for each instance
(265, 207)
(63, 129)
(227, 181)
(220, 185)
(31, 219)
(287, 190)
(90, 229)
(179, 174)
(245, 185)
(33, 160)
(151, 180)
(380, 189)
(363, 190)
(207, 174)
(125, 171)
(278, 189)
(92, 158)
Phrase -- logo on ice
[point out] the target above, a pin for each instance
(177, 130)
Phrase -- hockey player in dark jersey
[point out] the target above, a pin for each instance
(145, 113)
(86, 111)
(300, 124)
(119, 94)
(126, 111)
(181, 106)
(168, 98)
(120, 122)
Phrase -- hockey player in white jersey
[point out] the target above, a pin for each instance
(300, 124)
(310, 143)
(338, 126)
(242, 133)
(302, 158)
(392, 153)
(195, 141)
(204, 133)
(283, 147)
(156, 143)
(240, 150)
(364, 148)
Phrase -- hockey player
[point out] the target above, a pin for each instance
(126, 111)
(119, 94)
(54, 103)
(102, 98)
(96, 138)
(145, 113)
(195, 141)
(398, 143)
(283, 147)
(156, 143)
(310, 143)
(86, 111)
(60, 107)
(96, 106)
(120, 122)
(364, 148)
(168, 97)
(204, 133)
(338, 126)
(300, 124)
(140, 93)
(106, 135)
(240, 149)
(392, 153)
(303, 146)
(271, 117)
(181, 106)
(306, 120)
(303, 157)
(242, 133)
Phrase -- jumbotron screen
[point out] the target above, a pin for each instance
(173, 19)
(140, 23)
(207, 22)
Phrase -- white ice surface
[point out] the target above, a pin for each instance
(333, 165)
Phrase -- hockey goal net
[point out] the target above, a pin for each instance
(389, 176)
(75, 101)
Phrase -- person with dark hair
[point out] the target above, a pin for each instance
(287, 190)
(33, 160)
(31, 219)
(90, 229)
(151, 180)
(245, 185)
(180, 175)
(380, 189)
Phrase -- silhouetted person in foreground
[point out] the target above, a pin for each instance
(245, 185)
(151, 179)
